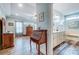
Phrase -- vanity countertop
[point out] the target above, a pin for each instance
(58, 31)
(73, 35)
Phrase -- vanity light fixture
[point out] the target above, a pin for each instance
(72, 17)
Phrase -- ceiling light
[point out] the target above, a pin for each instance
(20, 5)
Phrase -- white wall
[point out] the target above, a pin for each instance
(11, 29)
(58, 23)
(50, 41)
(43, 8)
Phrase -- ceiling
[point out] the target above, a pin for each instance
(66, 8)
(25, 10)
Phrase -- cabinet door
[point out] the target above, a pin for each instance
(55, 39)
(61, 37)
(11, 41)
(6, 41)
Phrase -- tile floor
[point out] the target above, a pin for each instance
(22, 47)
(67, 49)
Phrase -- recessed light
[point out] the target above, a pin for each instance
(20, 5)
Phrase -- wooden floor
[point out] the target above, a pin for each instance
(21, 47)
(67, 49)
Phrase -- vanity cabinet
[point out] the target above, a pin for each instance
(58, 38)
(7, 40)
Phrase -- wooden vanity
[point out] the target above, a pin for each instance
(7, 40)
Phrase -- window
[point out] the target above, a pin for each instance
(72, 21)
(72, 17)
(19, 27)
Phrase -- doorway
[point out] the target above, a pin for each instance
(19, 28)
